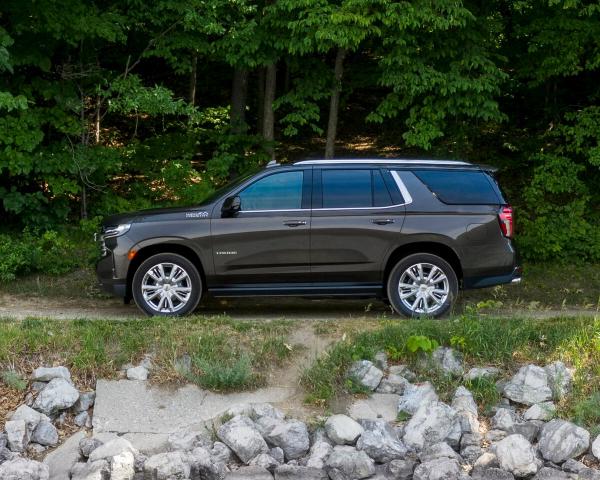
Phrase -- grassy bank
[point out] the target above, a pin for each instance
(504, 343)
(214, 352)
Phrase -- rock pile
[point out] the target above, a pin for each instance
(32, 427)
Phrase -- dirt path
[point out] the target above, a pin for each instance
(61, 308)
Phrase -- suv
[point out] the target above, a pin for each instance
(411, 232)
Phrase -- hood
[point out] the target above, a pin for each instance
(158, 214)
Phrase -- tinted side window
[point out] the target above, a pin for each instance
(381, 194)
(280, 191)
(459, 187)
(347, 188)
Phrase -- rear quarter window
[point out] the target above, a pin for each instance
(460, 187)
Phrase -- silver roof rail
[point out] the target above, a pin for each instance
(272, 163)
(384, 162)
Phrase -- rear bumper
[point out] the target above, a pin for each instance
(489, 281)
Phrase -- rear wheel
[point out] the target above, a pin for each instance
(422, 285)
(167, 284)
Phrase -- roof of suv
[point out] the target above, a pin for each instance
(384, 161)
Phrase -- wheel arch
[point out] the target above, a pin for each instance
(163, 247)
(436, 248)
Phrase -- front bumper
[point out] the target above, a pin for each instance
(106, 274)
(489, 281)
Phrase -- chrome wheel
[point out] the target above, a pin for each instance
(166, 287)
(423, 288)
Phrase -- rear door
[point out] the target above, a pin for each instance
(357, 218)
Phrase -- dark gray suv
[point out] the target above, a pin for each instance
(409, 231)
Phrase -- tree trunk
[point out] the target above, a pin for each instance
(239, 89)
(193, 80)
(260, 105)
(269, 116)
(97, 120)
(334, 103)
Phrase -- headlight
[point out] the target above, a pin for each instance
(117, 231)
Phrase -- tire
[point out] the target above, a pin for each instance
(421, 294)
(167, 285)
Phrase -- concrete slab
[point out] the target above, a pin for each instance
(148, 443)
(61, 460)
(379, 405)
(128, 406)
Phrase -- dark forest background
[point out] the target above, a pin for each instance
(108, 106)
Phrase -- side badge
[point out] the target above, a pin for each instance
(196, 214)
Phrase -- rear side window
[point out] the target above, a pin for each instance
(459, 187)
(356, 188)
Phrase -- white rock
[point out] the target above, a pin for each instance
(401, 469)
(380, 441)
(438, 469)
(432, 423)
(58, 395)
(342, 430)
(265, 461)
(529, 386)
(31, 417)
(380, 360)
(45, 434)
(167, 466)
(393, 384)
(122, 466)
(448, 361)
(354, 464)
(596, 448)
(44, 374)
(319, 453)
(241, 435)
(187, 440)
(560, 379)
(298, 472)
(137, 373)
(23, 469)
(516, 455)
(438, 450)
(540, 411)
(253, 472)
(504, 419)
(221, 453)
(464, 404)
(366, 373)
(98, 470)
(403, 371)
(112, 448)
(85, 402)
(560, 440)
(17, 435)
(477, 373)
(416, 396)
(291, 437)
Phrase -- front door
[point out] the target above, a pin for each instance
(267, 242)
(357, 219)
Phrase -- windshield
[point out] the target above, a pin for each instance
(219, 192)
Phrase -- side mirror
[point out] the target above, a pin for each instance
(231, 206)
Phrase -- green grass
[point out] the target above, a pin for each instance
(504, 343)
(225, 354)
(13, 380)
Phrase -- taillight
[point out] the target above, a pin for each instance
(505, 217)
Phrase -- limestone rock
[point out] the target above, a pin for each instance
(137, 373)
(432, 423)
(540, 411)
(366, 373)
(250, 473)
(241, 435)
(187, 440)
(482, 373)
(23, 469)
(298, 472)
(342, 430)
(17, 435)
(561, 440)
(292, 437)
(380, 441)
(58, 395)
(559, 379)
(167, 466)
(529, 386)
(416, 396)
(439, 469)
(45, 374)
(354, 464)
(45, 434)
(319, 453)
(448, 361)
(516, 455)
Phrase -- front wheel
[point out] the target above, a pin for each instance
(422, 285)
(167, 284)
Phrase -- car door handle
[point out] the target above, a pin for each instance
(382, 221)
(294, 223)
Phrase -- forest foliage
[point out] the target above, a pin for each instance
(118, 105)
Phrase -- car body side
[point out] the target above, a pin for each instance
(467, 236)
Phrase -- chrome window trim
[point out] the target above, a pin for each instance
(403, 190)
(383, 162)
